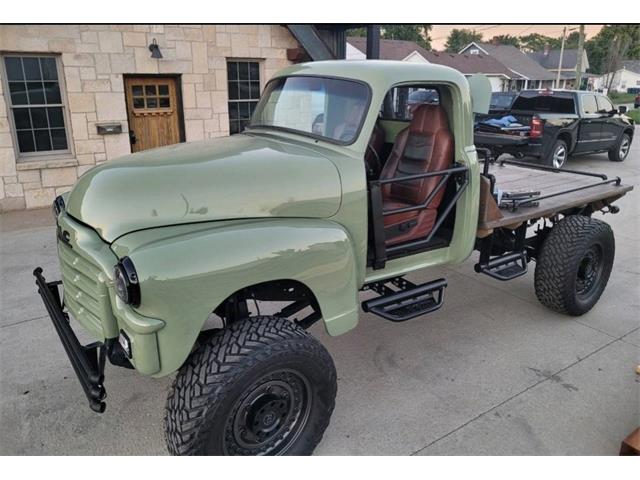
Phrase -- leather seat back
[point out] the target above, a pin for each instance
(425, 146)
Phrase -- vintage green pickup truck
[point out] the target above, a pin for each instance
(349, 176)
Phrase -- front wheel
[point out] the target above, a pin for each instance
(262, 386)
(574, 264)
(621, 150)
(558, 155)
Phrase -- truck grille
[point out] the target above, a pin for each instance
(85, 290)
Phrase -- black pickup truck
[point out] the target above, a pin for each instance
(550, 125)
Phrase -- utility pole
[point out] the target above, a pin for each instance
(564, 35)
(579, 59)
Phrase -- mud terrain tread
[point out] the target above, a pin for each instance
(209, 372)
(556, 266)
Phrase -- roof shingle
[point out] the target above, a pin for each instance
(464, 63)
(516, 61)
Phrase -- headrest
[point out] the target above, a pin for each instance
(428, 119)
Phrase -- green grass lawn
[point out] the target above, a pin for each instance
(635, 114)
(618, 98)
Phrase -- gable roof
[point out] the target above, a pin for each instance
(515, 60)
(551, 59)
(390, 49)
(464, 63)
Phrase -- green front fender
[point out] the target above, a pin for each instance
(185, 272)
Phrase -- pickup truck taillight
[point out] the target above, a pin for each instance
(537, 128)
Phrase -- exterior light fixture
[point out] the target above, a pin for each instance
(155, 49)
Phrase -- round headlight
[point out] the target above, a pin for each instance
(126, 282)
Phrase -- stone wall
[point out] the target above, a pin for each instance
(94, 59)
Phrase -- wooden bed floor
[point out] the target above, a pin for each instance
(513, 178)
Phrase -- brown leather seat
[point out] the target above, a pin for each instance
(425, 146)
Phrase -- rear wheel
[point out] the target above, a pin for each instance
(621, 150)
(558, 155)
(262, 386)
(574, 264)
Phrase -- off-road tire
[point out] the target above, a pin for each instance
(616, 154)
(557, 146)
(209, 388)
(561, 279)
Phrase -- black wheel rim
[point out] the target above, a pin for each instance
(269, 416)
(589, 271)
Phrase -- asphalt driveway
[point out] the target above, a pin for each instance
(492, 372)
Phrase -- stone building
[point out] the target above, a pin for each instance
(73, 96)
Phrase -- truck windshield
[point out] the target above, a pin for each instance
(323, 107)
(549, 102)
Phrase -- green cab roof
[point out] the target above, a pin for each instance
(377, 73)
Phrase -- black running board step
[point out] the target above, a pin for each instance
(410, 302)
(505, 267)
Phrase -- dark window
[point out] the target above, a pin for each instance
(400, 102)
(151, 96)
(244, 92)
(589, 106)
(35, 101)
(549, 102)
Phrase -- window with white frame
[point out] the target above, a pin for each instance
(34, 95)
(243, 79)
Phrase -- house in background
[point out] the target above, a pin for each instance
(526, 72)
(625, 79)
(550, 59)
(407, 51)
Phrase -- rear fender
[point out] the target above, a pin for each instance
(185, 276)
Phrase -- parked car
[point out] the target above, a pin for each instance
(553, 124)
(167, 255)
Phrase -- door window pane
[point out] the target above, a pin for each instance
(36, 103)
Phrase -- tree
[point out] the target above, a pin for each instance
(572, 40)
(535, 42)
(611, 45)
(505, 40)
(460, 38)
(410, 32)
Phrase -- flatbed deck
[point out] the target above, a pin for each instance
(511, 177)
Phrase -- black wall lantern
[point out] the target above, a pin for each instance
(155, 49)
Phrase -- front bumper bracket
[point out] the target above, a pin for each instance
(88, 361)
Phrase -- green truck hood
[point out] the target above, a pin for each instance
(243, 176)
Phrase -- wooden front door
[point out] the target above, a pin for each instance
(153, 111)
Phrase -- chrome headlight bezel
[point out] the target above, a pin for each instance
(126, 282)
